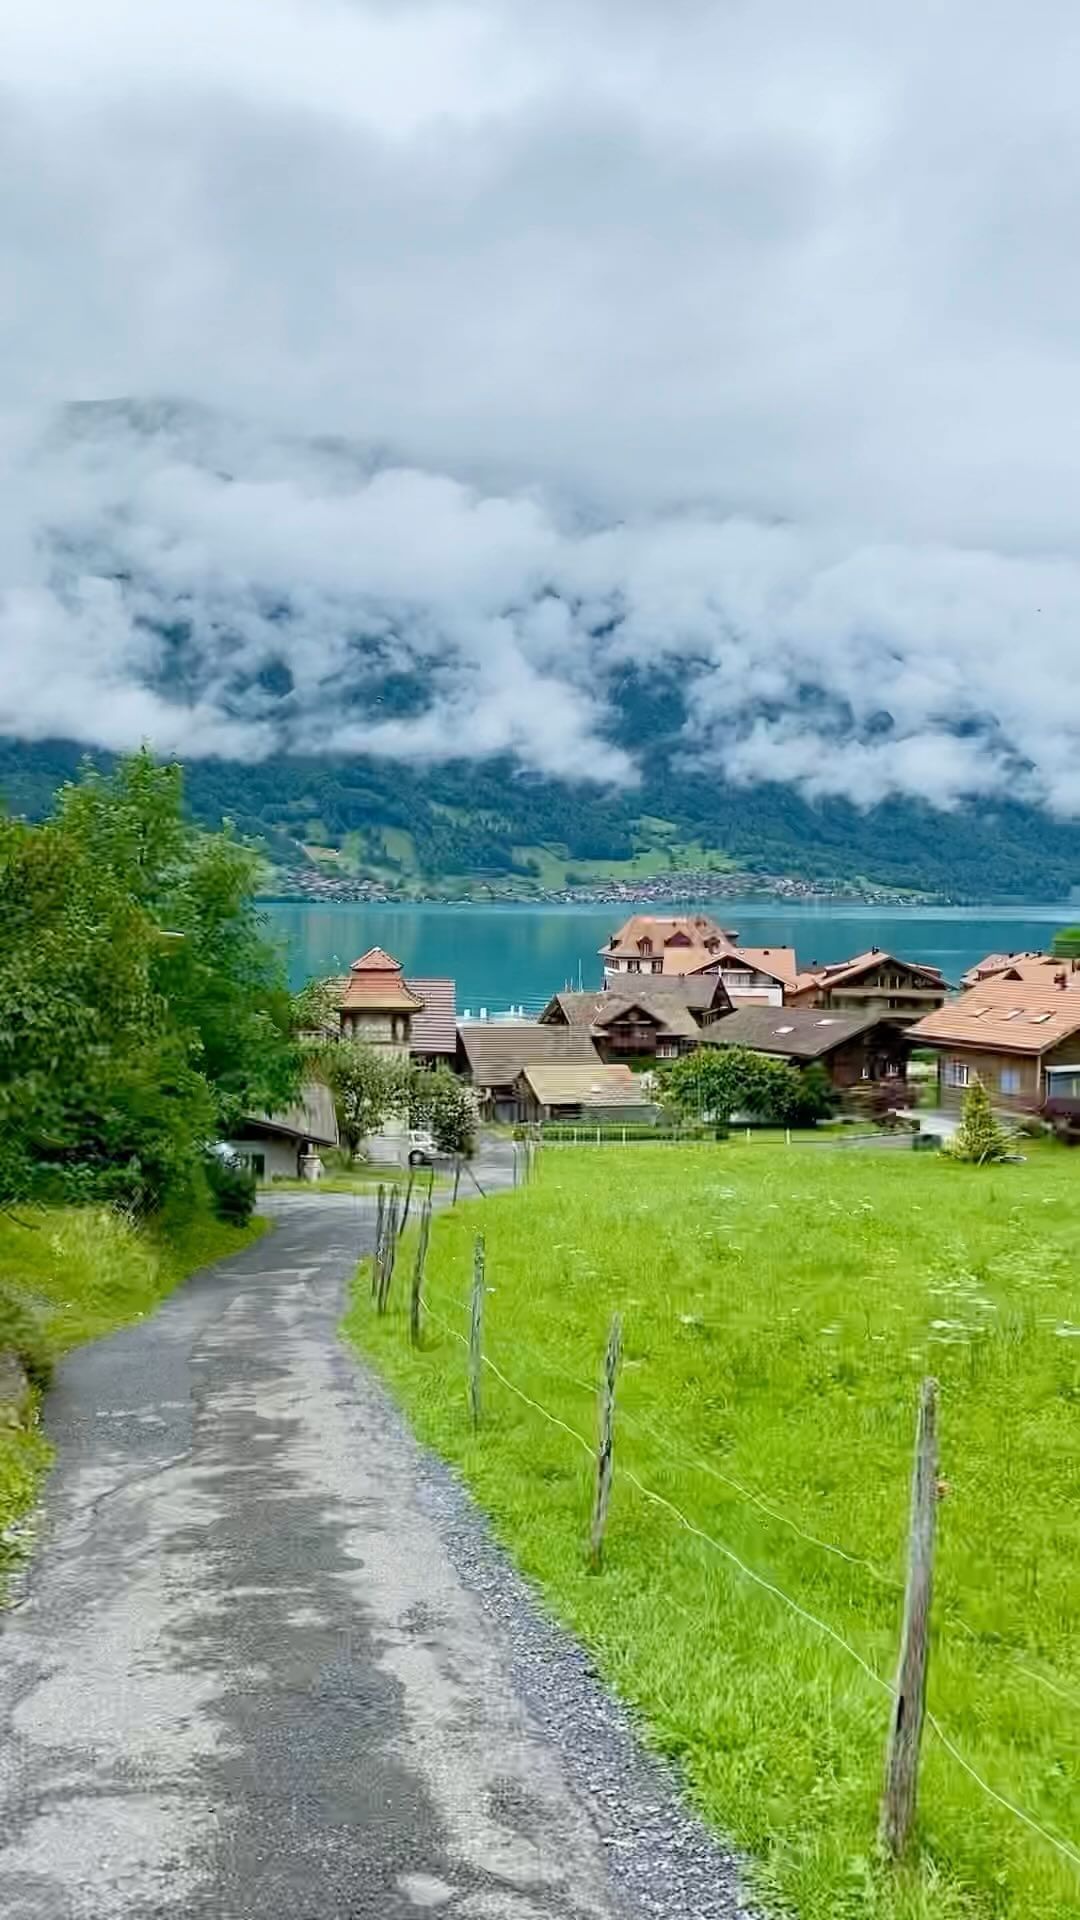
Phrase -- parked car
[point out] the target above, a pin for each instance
(423, 1150)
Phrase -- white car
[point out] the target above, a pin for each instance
(422, 1147)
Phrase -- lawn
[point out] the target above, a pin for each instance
(74, 1275)
(780, 1307)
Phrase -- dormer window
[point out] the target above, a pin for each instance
(644, 945)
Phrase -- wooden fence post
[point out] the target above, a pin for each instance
(380, 1223)
(418, 1274)
(408, 1201)
(389, 1251)
(605, 1452)
(476, 1330)
(909, 1705)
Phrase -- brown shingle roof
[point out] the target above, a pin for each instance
(434, 1027)
(566, 1086)
(672, 1016)
(496, 1051)
(1006, 1016)
(669, 1008)
(794, 1033)
(845, 972)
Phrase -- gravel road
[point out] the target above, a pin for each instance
(267, 1665)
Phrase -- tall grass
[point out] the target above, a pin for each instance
(779, 1308)
(72, 1275)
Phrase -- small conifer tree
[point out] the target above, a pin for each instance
(980, 1137)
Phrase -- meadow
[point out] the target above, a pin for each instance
(780, 1307)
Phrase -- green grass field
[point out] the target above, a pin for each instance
(77, 1274)
(780, 1307)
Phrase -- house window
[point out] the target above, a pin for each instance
(645, 945)
(255, 1163)
(666, 1050)
(957, 1073)
(633, 966)
(1011, 1080)
(658, 966)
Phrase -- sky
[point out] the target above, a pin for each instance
(517, 344)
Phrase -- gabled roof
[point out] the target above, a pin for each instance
(794, 1033)
(312, 1117)
(694, 928)
(844, 973)
(1016, 966)
(1006, 1016)
(670, 1016)
(567, 1086)
(496, 1051)
(434, 1027)
(375, 982)
(780, 962)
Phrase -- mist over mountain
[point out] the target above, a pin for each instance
(670, 405)
(175, 575)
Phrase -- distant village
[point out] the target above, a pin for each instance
(678, 887)
(670, 984)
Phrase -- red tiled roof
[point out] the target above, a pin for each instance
(375, 981)
(1006, 1015)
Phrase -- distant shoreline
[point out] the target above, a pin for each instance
(664, 891)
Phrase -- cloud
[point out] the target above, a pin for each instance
(180, 578)
(513, 345)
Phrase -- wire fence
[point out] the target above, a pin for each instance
(679, 1458)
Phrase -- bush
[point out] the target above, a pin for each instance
(22, 1334)
(981, 1139)
(232, 1190)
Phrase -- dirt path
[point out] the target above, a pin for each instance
(245, 1676)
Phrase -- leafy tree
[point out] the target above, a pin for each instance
(715, 1082)
(815, 1098)
(141, 1009)
(315, 1008)
(368, 1085)
(439, 1100)
(1066, 944)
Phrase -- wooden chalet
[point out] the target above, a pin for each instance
(1021, 1038)
(659, 946)
(901, 991)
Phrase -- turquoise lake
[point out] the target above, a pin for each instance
(521, 955)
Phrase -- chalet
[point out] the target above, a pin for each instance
(660, 1021)
(493, 1054)
(853, 1048)
(1031, 967)
(1020, 1038)
(380, 1008)
(690, 944)
(901, 991)
(555, 1091)
(275, 1145)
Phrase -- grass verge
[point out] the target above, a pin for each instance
(69, 1276)
(779, 1310)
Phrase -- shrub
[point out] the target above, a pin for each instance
(981, 1139)
(22, 1334)
(232, 1190)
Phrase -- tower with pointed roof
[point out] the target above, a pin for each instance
(377, 1005)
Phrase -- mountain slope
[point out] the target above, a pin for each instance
(488, 819)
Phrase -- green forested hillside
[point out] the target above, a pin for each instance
(462, 820)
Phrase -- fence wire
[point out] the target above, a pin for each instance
(1063, 1847)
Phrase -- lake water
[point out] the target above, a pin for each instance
(521, 955)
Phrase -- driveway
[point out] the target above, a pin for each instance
(266, 1664)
